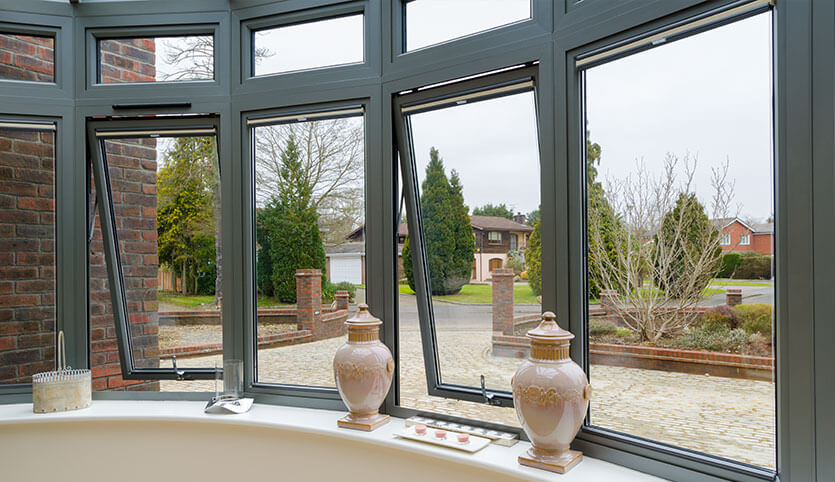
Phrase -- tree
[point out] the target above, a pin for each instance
(499, 210)
(186, 221)
(533, 260)
(605, 220)
(289, 226)
(663, 236)
(447, 231)
(533, 217)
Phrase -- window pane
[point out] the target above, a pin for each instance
(430, 22)
(310, 245)
(680, 178)
(156, 59)
(166, 198)
(27, 57)
(27, 253)
(478, 173)
(308, 45)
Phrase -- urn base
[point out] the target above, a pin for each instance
(367, 422)
(559, 461)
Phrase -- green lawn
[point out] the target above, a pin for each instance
(192, 301)
(482, 294)
(733, 282)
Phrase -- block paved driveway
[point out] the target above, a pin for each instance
(731, 418)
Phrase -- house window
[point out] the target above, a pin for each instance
(725, 239)
(490, 115)
(270, 54)
(423, 28)
(514, 242)
(744, 239)
(27, 57)
(632, 225)
(27, 249)
(309, 196)
(157, 185)
(156, 59)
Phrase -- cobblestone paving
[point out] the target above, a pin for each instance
(727, 417)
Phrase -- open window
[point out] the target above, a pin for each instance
(155, 265)
(308, 240)
(470, 171)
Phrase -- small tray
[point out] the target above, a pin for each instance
(506, 439)
(451, 441)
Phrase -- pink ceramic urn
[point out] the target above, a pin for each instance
(551, 396)
(362, 368)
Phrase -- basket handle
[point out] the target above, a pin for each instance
(61, 358)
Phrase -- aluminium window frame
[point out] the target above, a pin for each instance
(418, 100)
(133, 128)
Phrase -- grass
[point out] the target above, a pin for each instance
(481, 294)
(733, 282)
(192, 301)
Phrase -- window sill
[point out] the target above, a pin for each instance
(500, 460)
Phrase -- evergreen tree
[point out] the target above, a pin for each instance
(289, 236)
(447, 231)
(499, 210)
(533, 260)
(605, 217)
(687, 234)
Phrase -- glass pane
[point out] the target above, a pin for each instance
(680, 176)
(308, 45)
(27, 57)
(310, 245)
(166, 198)
(429, 22)
(27, 253)
(156, 59)
(478, 173)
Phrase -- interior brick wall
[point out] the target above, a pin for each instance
(27, 254)
(24, 57)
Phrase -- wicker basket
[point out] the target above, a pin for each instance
(63, 389)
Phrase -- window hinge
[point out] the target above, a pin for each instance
(489, 398)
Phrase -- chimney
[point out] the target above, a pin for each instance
(520, 218)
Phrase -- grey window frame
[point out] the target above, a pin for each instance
(320, 397)
(804, 53)
(132, 128)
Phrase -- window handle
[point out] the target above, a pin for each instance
(489, 398)
(180, 373)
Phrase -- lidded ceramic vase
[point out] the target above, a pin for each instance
(363, 368)
(551, 395)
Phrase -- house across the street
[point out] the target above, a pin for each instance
(494, 238)
(735, 236)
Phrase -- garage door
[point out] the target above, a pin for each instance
(348, 268)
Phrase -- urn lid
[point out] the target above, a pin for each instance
(549, 330)
(363, 318)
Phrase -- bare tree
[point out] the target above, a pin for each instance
(332, 153)
(664, 257)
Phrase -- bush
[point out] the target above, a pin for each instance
(729, 263)
(714, 337)
(723, 314)
(601, 327)
(515, 261)
(753, 265)
(524, 275)
(756, 317)
(329, 290)
(533, 260)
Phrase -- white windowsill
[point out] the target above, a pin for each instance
(497, 458)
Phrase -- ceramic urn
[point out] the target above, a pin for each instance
(551, 395)
(363, 368)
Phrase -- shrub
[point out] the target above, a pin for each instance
(722, 314)
(533, 260)
(756, 317)
(601, 327)
(729, 263)
(524, 275)
(753, 265)
(714, 337)
(515, 261)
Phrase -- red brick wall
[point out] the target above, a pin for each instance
(762, 243)
(128, 60)
(27, 254)
(503, 301)
(24, 57)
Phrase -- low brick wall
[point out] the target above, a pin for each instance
(268, 341)
(653, 358)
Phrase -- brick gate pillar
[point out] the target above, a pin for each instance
(341, 299)
(733, 296)
(308, 299)
(503, 300)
